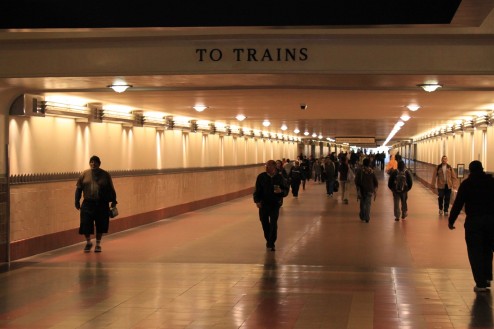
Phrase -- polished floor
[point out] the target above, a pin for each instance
(210, 269)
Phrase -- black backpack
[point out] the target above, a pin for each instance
(367, 181)
(401, 184)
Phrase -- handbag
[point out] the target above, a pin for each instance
(336, 186)
(113, 212)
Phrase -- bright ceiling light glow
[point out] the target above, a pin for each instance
(240, 117)
(314, 135)
(405, 117)
(296, 131)
(306, 133)
(429, 87)
(413, 107)
(284, 127)
(119, 86)
(200, 108)
(266, 123)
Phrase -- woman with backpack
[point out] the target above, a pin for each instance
(400, 182)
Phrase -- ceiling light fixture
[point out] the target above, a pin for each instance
(200, 108)
(405, 117)
(284, 127)
(266, 123)
(119, 87)
(240, 117)
(296, 131)
(413, 107)
(429, 87)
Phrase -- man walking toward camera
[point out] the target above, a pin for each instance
(96, 185)
(445, 178)
(270, 189)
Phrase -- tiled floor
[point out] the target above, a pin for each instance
(210, 269)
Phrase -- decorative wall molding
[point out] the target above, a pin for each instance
(66, 176)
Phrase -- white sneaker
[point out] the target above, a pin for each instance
(440, 212)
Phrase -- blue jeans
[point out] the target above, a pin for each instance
(365, 206)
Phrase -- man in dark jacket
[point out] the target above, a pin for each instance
(366, 183)
(269, 192)
(96, 185)
(475, 193)
(400, 182)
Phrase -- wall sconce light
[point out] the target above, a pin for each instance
(126, 119)
(429, 87)
(119, 87)
(169, 123)
(482, 121)
(193, 126)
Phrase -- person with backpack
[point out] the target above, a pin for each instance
(445, 179)
(400, 182)
(366, 183)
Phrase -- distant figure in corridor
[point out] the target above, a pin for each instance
(270, 189)
(445, 179)
(96, 185)
(367, 184)
(475, 193)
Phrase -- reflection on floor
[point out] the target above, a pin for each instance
(210, 269)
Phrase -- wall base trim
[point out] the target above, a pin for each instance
(33, 246)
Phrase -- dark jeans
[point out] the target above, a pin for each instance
(479, 236)
(269, 221)
(330, 186)
(397, 199)
(444, 195)
(365, 206)
(295, 188)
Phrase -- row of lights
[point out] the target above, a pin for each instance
(460, 126)
(121, 86)
(428, 87)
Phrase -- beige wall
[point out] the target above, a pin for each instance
(42, 209)
(50, 145)
(56, 145)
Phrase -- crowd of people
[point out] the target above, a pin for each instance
(340, 172)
